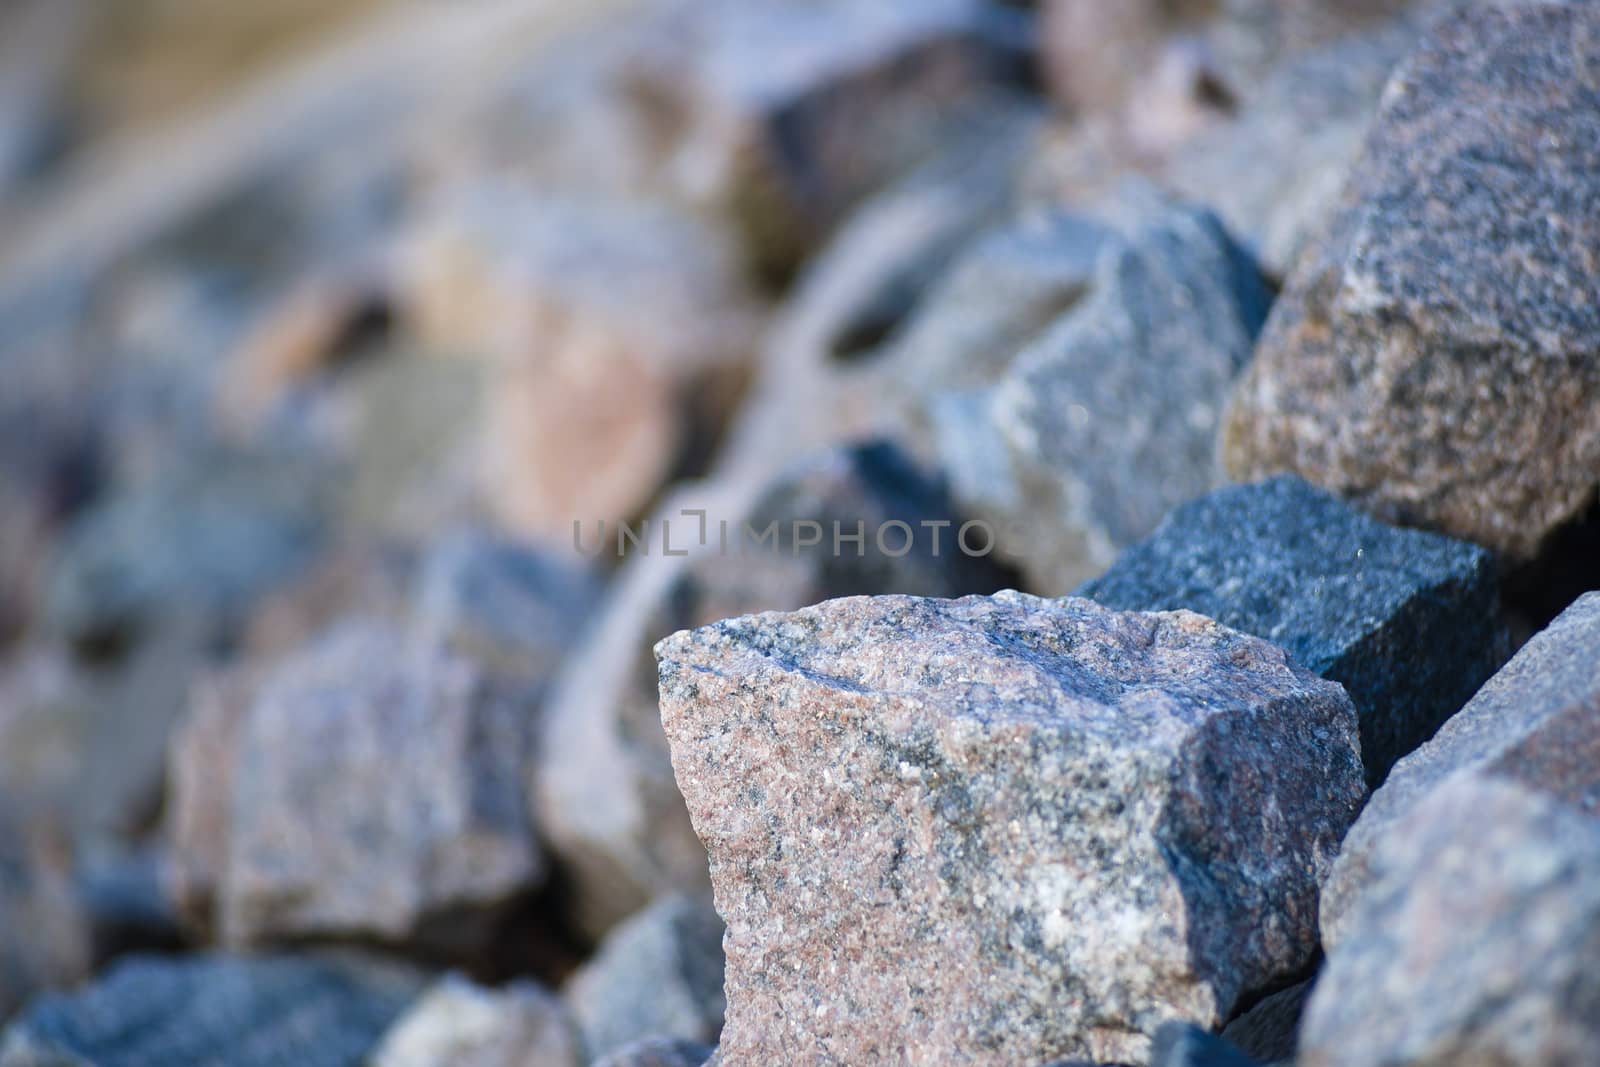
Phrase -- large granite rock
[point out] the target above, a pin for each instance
(1002, 828)
(1477, 940)
(269, 1011)
(459, 1024)
(1407, 621)
(790, 113)
(604, 792)
(659, 974)
(1437, 356)
(1107, 420)
(375, 791)
(1534, 723)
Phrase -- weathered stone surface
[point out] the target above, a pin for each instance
(270, 1011)
(609, 326)
(1533, 723)
(658, 1052)
(791, 113)
(1187, 1045)
(1270, 1030)
(1477, 940)
(659, 974)
(376, 792)
(604, 792)
(44, 940)
(1407, 621)
(1001, 829)
(1107, 420)
(1437, 356)
(459, 1024)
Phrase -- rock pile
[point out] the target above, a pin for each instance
(700, 533)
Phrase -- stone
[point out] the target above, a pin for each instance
(1107, 419)
(1436, 356)
(265, 1011)
(459, 1024)
(44, 935)
(376, 792)
(1270, 1030)
(604, 794)
(1187, 1045)
(1407, 621)
(1476, 941)
(658, 1052)
(792, 113)
(1002, 828)
(659, 974)
(1534, 723)
(1275, 173)
(209, 534)
(612, 331)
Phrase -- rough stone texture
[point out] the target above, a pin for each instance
(658, 1052)
(271, 1011)
(44, 939)
(1437, 356)
(1107, 420)
(604, 792)
(611, 328)
(1534, 722)
(1270, 1030)
(792, 112)
(1001, 829)
(459, 1024)
(659, 974)
(1187, 1045)
(1407, 621)
(376, 792)
(1477, 941)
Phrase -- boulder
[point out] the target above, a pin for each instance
(266, 1011)
(375, 792)
(1002, 828)
(1106, 420)
(659, 974)
(604, 793)
(1436, 356)
(1407, 621)
(1477, 940)
(1535, 723)
(458, 1024)
(791, 113)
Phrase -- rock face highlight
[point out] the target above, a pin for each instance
(1436, 357)
(1407, 621)
(1001, 829)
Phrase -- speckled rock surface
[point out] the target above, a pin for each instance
(272, 1011)
(1107, 420)
(1436, 357)
(658, 1052)
(377, 790)
(1536, 722)
(659, 974)
(604, 792)
(459, 1024)
(1407, 621)
(1001, 829)
(1476, 942)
